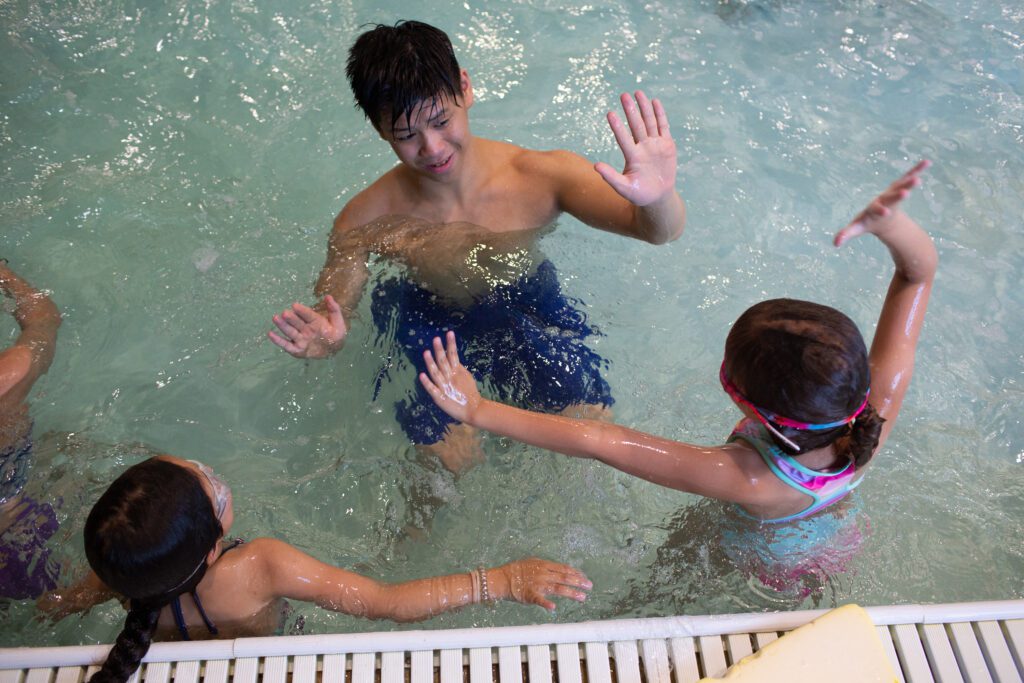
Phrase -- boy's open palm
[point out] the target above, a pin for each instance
(648, 148)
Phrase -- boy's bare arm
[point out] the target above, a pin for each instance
(345, 271)
(320, 331)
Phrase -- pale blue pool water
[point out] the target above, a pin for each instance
(170, 171)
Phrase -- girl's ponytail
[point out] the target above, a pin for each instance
(131, 645)
(864, 433)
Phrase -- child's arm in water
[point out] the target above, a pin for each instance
(80, 596)
(723, 472)
(30, 356)
(290, 573)
(899, 324)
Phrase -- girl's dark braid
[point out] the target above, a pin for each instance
(131, 645)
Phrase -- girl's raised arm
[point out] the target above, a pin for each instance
(894, 347)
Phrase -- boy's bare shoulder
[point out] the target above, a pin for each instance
(558, 169)
(380, 198)
(554, 162)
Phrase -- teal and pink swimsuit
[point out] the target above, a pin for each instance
(824, 488)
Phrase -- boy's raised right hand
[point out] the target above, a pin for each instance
(450, 385)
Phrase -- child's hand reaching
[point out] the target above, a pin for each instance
(874, 218)
(912, 250)
(449, 384)
(533, 581)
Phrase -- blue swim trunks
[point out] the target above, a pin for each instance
(525, 342)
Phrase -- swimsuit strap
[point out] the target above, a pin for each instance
(824, 488)
(206, 620)
(235, 542)
(179, 617)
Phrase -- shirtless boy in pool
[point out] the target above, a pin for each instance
(461, 214)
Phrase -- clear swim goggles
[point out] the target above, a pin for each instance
(221, 491)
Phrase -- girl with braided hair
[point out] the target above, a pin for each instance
(155, 539)
(817, 405)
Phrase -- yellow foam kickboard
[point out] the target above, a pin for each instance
(840, 646)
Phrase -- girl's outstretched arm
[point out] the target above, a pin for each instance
(899, 324)
(722, 472)
(290, 573)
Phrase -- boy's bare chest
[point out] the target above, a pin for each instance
(455, 259)
(503, 203)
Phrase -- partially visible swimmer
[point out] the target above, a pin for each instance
(817, 405)
(155, 540)
(26, 568)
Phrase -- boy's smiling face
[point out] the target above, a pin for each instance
(433, 137)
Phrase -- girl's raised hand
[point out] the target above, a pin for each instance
(448, 383)
(873, 219)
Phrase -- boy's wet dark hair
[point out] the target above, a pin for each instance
(147, 538)
(392, 69)
(808, 362)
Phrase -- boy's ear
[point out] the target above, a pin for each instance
(467, 89)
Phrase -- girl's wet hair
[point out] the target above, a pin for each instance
(393, 69)
(147, 538)
(807, 362)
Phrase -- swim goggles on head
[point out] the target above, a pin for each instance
(767, 417)
(221, 491)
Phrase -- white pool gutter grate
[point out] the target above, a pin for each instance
(977, 642)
